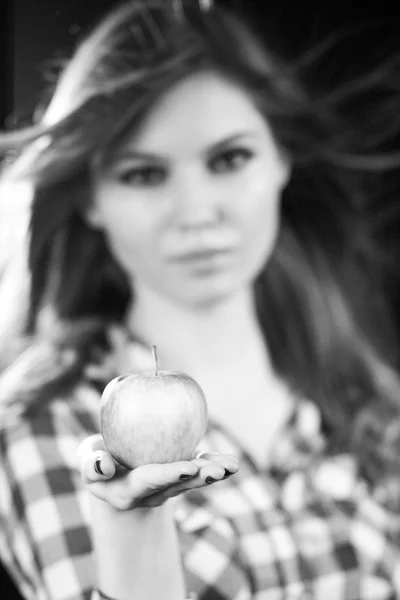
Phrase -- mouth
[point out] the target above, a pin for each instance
(203, 255)
(205, 262)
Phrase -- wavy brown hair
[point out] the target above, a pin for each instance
(311, 295)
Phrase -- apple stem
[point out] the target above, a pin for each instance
(155, 360)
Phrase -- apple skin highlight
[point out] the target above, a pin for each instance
(157, 417)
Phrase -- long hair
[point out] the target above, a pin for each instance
(72, 288)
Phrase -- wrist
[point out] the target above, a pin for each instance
(104, 510)
(130, 547)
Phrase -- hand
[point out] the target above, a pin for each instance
(149, 485)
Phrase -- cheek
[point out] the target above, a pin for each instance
(131, 230)
(260, 202)
(260, 217)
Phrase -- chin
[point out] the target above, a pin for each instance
(209, 296)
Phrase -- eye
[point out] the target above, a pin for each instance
(146, 176)
(231, 160)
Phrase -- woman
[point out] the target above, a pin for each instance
(189, 192)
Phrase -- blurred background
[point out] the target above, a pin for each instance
(36, 36)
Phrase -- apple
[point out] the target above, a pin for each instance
(152, 417)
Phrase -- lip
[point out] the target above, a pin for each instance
(202, 255)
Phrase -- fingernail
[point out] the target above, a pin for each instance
(97, 467)
(185, 476)
(227, 473)
(210, 480)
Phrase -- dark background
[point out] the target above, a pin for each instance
(36, 33)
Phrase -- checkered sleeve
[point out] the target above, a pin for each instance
(45, 541)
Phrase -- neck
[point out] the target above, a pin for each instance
(197, 339)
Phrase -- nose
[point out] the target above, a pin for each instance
(197, 204)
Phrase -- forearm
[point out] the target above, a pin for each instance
(137, 553)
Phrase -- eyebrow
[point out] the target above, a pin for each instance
(131, 153)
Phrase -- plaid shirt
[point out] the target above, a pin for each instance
(308, 528)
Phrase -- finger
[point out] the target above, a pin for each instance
(206, 477)
(228, 461)
(209, 473)
(86, 448)
(98, 466)
(215, 456)
(147, 479)
(89, 445)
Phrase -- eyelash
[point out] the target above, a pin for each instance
(244, 153)
(146, 174)
(142, 173)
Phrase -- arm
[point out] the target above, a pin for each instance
(137, 552)
(136, 545)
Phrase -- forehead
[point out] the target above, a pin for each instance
(197, 112)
